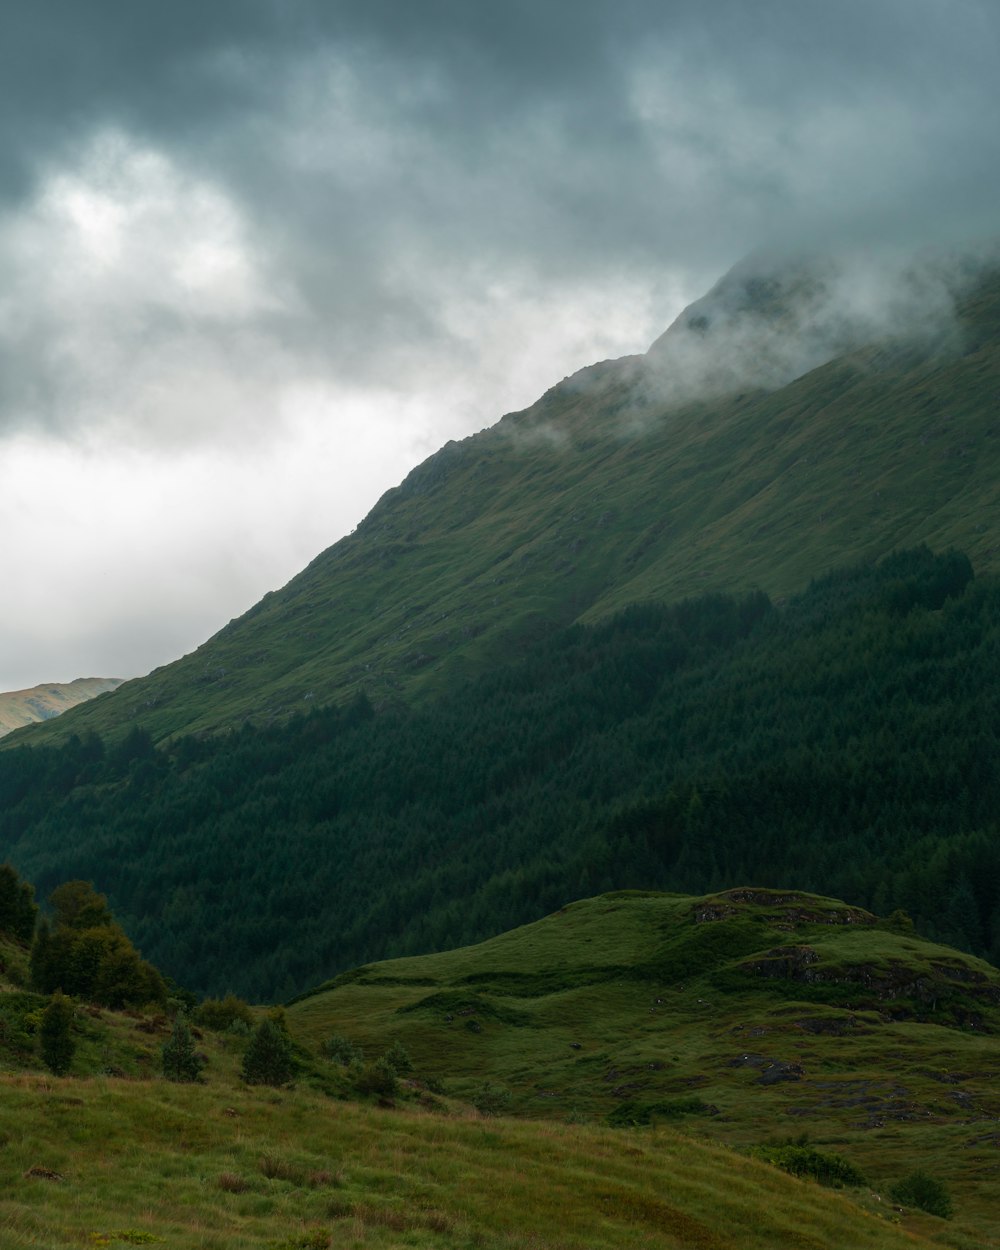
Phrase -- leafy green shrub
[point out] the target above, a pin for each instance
(898, 922)
(342, 1050)
(378, 1078)
(925, 1192)
(220, 1014)
(491, 1100)
(88, 955)
(178, 1058)
(398, 1057)
(77, 905)
(20, 1020)
(799, 1160)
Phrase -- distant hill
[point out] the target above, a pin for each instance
(787, 423)
(40, 703)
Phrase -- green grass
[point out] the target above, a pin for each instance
(625, 1010)
(576, 1018)
(218, 1168)
(596, 498)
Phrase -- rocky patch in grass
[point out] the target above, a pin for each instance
(772, 1071)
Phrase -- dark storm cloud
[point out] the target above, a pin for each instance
(388, 158)
(530, 112)
(257, 257)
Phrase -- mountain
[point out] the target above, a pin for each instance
(509, 704)
(753, 1017)
(25, 707)
(797, 418)
(844, 743)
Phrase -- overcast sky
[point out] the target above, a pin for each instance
(260, 257)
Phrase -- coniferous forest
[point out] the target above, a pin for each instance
(844, 742)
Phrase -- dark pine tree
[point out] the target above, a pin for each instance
(178, 1058)
(268, 1060)
(55, 1036)
(17, 905)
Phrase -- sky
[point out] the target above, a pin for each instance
(259, 258)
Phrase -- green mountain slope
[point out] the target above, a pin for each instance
(844, 743)
(618, 486)
(749, 1017)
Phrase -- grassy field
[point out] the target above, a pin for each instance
(597, 497)
(620, 1001)
(115, 1162)
(628, 1009)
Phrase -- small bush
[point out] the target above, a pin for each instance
(398, 1057)
(924, 1192)
(898, 922)
(221, 1013)
(491, 1100)
(378, 1078)
(342, 1050)
(828, 1169)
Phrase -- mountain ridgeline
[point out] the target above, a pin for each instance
(791, 422)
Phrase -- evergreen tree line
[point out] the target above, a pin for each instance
(845, 742)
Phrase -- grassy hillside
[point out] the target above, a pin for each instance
(604, 493)
(574, 1014)
(145, 1163)
(748, 1017)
